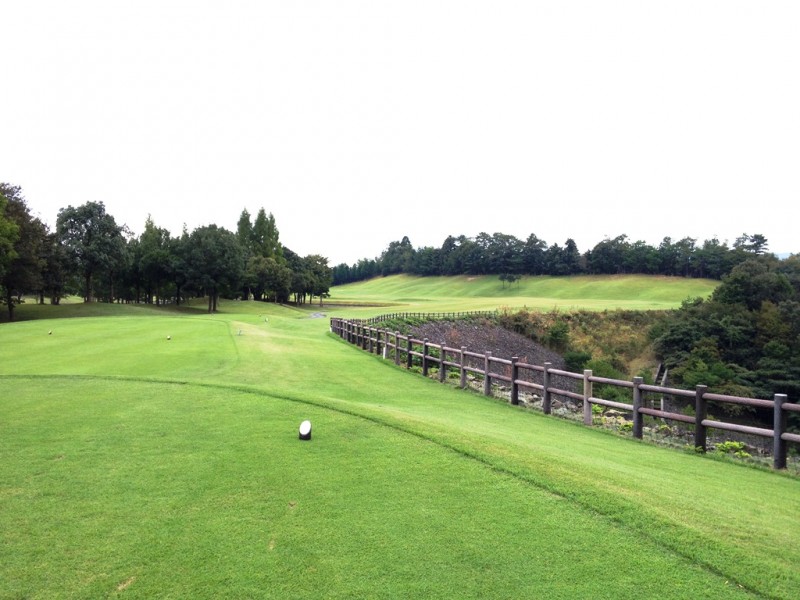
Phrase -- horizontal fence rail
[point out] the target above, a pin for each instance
(426, 316)
(549, 382)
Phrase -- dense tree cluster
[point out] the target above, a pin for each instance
(502, 254)
(90, 254)
(745, 339)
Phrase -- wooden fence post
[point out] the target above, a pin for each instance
(397, 348)
(700, 413)
(546, 399)
(779, 428)
(425, 357)
(370, 340)
(638, 418)
(487, 381)
(442, 368)
(409, 356)
(463, 380)
(587, 393)
(514, 377)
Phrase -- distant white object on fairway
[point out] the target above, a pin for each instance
(169, 337)
(305, 430)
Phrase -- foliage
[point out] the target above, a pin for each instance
(23, 239)
(214, 261)
(153, 254)
(89, 252)
(9, 231)
(503, 254)
(558, 336)
(616, 338)
(745, 339)
(575, 360)
(510, 278)
(603, 368)
(737, 449)
(94, 242)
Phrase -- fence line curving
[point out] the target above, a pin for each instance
(547, 381)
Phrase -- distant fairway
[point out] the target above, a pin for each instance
(487, 292)
(136, 465)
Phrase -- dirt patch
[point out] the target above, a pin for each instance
(125, 584)
(481, 338)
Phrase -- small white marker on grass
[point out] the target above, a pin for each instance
(305, 430)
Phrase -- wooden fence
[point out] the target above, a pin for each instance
(426, 316)
(518, 376)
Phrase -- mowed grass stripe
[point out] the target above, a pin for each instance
(487, 292)
(182, 490)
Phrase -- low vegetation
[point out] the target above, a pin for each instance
(155, 453)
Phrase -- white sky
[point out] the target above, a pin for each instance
(358, 122)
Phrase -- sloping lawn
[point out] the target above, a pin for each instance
(144, 466)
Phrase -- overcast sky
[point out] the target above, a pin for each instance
(358, 122)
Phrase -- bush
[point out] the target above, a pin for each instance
(603, 368)
(576, 360)
(737, 449)
(558, 336)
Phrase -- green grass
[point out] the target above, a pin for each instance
(139, 466)
(634, 292)
(191, 491)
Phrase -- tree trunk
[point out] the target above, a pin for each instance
(87, 296)
(10, 302)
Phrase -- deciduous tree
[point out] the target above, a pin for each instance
(93, 240)
(214, 261)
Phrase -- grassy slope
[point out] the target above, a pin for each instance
(635, 292)
(562, 511)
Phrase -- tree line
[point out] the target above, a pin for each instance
(508, 256)
(90, 254)
(745, 339)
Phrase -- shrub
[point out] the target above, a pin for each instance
(576, 360)
(737, 449)
(603, 368)
(558, 336)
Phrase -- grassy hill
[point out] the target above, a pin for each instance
(487, 292)
(143, 466)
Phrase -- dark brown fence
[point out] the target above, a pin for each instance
(426, 316)
(549, 382)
